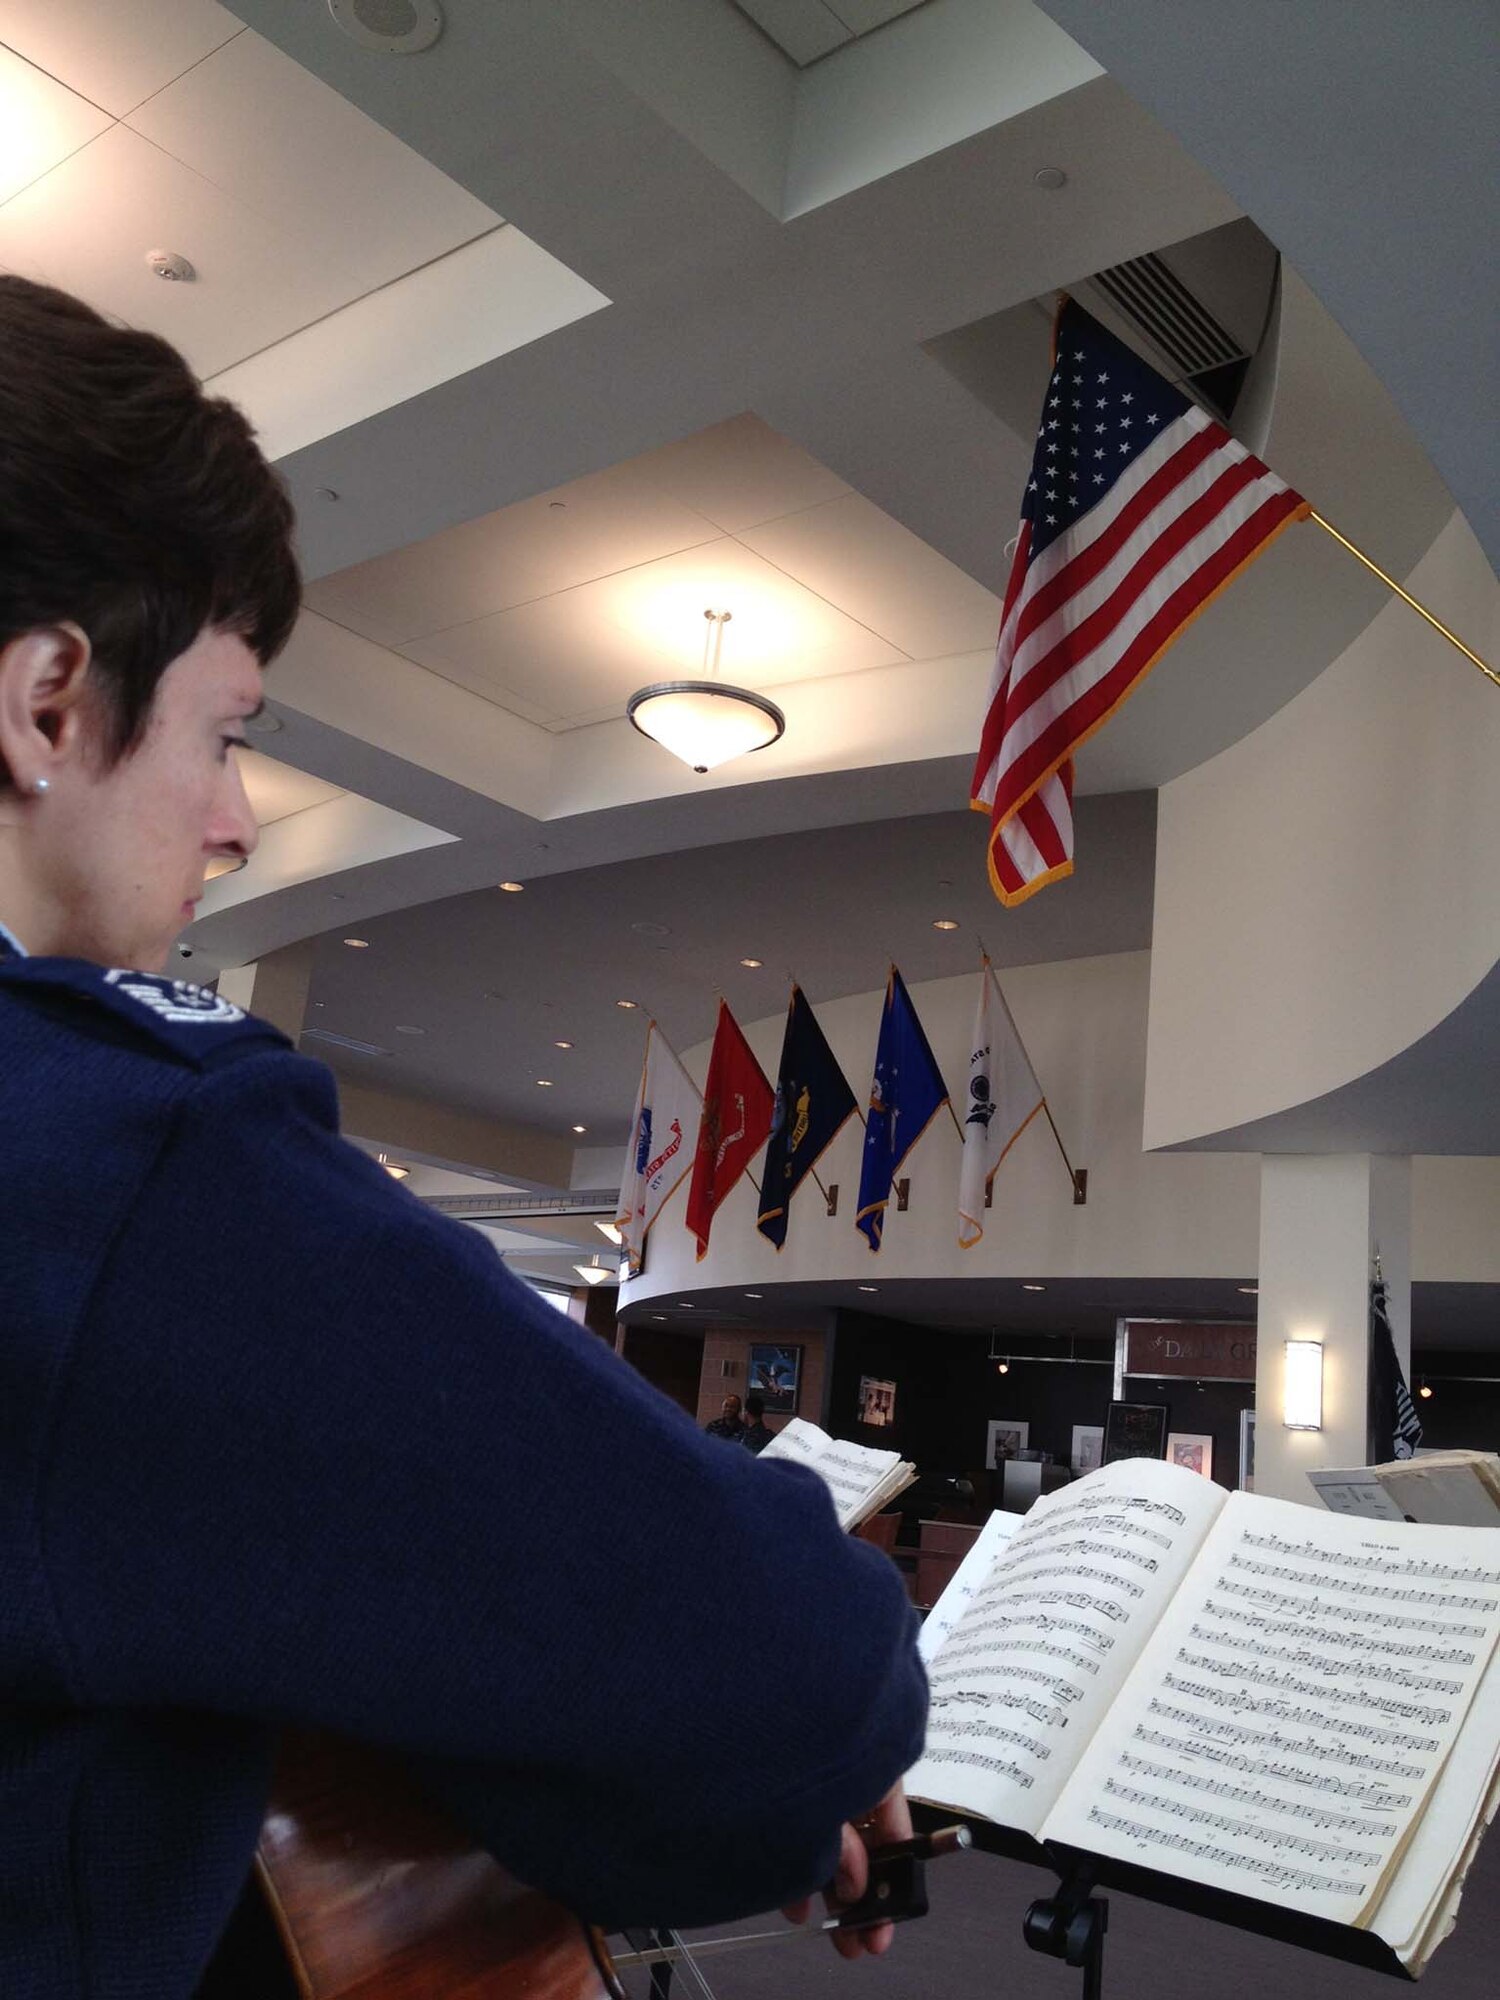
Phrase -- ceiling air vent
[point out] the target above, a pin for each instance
(1156, 301)
(389, 27)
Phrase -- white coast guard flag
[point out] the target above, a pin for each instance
(1002, 1099)
(663, 1134)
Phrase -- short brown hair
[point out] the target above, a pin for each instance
(130, 503)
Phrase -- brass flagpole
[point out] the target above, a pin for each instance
(1405, 596)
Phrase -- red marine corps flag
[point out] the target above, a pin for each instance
(1140, 508)
(736, 1123)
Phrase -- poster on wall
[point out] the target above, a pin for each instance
(1088, 1448)
(1134, 1430)
(1007, 1439)
(1192, 1450)
(877, 1403)
(775, 1373)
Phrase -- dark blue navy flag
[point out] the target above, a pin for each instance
(906, 1094)
(1395, 1428)
(812, 1102)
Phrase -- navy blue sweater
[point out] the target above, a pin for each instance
(280, 1445)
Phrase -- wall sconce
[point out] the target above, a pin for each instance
(1302, 1387)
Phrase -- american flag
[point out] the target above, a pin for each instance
(1139, 509)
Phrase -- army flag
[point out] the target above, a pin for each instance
(736, 1122)
(906, 1093)
(1003, 1098)
(657, 1154)
(812, 1101)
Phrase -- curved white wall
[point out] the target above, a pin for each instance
(1326, 888)
(1084, 1024)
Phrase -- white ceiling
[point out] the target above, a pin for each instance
(558, 607)
(276, 790)
(126, 128)
(806, 30)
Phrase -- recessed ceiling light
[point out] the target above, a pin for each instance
(754, 963)
(755, 1295)
(658, 1315)
(652, 930)
(512, 888)
(1033, 1288)
(608, 1229)
(869, 1288)
(627, 1003)
(1050, 178)
(580, 1128)
(944, 924)
(389, 27)
(562, 1045)
(686, 1304)
(357, 944)
(266, 723)
(1250, 1291)
(544, 1083)
(409, 1030)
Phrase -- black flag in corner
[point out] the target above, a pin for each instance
(1395, 1429)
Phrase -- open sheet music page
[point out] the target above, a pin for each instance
(1286, 1724)
(1044, 1639)
(797, 1440)
(860, 1477)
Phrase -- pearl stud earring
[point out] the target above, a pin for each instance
(41, 786)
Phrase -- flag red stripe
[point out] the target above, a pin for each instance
(994, 721)
(1099, 553)
(1063, 734)
(1080, 640)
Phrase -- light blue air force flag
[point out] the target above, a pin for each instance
(905, 1096)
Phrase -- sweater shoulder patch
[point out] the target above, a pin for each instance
(176, 1016)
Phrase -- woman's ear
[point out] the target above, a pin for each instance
(43, 678)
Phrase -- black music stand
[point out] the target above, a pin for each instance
(1070, 1924)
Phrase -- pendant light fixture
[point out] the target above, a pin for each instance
(706, 722)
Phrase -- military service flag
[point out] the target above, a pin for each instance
(812, 1101)
(906, 1094)
(737, 1103)
(1004, 1096)
(667, 1106)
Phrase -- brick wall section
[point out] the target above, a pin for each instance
(733, 1344)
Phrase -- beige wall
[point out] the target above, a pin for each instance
(1326, 889)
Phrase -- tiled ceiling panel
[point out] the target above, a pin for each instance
(269, 133)
(276, 790)
(41, 123)
(802, 29)
(807, 30)
(609, 521)
(739, 473)
(579, 654)
(852, 553)
(116, 53)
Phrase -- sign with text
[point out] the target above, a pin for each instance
(1205, 1350)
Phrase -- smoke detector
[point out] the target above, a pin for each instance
(169, 265)
(389, 27)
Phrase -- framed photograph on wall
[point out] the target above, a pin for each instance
(877, 1403)
(1134, 1430)
(1088, 1448)
(1192, 1450)
(1247, 1451)
(775, 1373)
(1005, 1440)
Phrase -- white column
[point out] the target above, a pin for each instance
(1322, 1219)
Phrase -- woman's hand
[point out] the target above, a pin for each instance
(890, 1820)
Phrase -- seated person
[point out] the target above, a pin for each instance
(757, 1433)
(282, 1445)
(728, 1423)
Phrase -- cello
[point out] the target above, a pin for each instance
(375, 1895)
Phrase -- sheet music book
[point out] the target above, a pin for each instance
(861, 1479)
(1456, 1489)
(1260, 1697)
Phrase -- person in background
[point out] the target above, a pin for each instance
(282, 1445)
(728, 1423)
(757, 1433)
